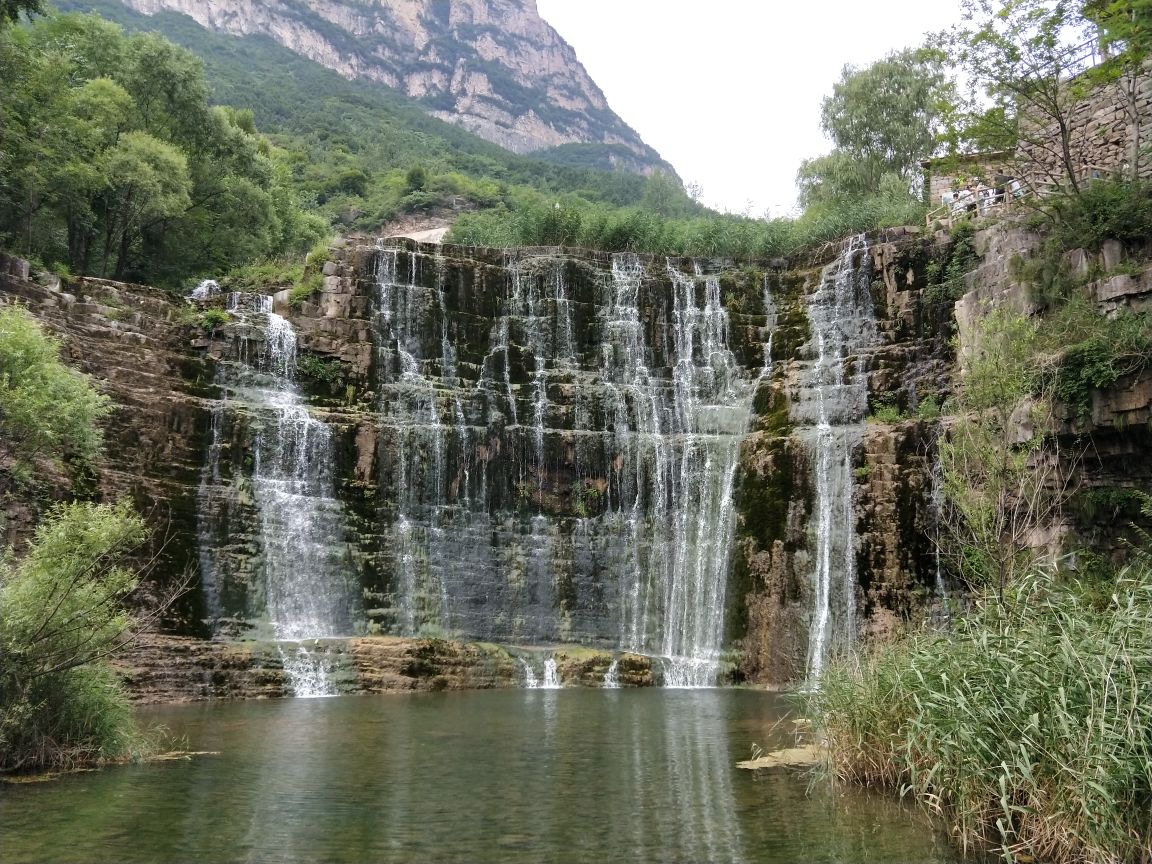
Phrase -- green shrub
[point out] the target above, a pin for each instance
(319, 368)
(307, 288)
(46, 409)
(928, 408)
(60, 703)
(886, 411)
(213, 317)
(571, 221)
(1029, 728)
(945, 276)
(1104, 210)
(1094, 352)
(264, 277)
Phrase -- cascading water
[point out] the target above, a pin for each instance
(309, 672)
(582, 439)
(612, 675)
(298, 520)
(829, 410)
(531, 682)
(551, 676)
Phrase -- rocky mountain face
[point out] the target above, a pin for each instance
(494, 67)
(641, 456)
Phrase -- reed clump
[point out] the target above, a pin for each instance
(1028, 727)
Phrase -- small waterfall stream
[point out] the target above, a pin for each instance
(299, 521)
(831, 405)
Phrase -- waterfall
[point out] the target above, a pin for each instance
(830, 408)
(301, 576)
(207, 288)
(580, 439)
(612, 676)
(551, 678)
(531, 682)
(309, 673)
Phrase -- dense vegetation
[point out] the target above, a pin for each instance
(113, 163)
(48, 412)
(1027, 726)
(60, 703)
(351, 144)
(362, 156)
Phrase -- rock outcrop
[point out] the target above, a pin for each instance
(494, 67)
(164, 668)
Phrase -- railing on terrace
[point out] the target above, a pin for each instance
(1006, 198)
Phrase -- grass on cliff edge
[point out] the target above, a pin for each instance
(1029, 727)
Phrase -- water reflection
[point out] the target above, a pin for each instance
(520, 776)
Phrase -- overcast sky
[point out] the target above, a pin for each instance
(729, 91)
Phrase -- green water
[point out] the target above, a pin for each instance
(508, 776)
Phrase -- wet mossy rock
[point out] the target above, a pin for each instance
(161, 372)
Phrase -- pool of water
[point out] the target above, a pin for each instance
(500, 776)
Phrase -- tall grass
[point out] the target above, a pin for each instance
(1029, 727)
(579, 224)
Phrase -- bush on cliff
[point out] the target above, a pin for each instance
(47, 411)
(61, 618)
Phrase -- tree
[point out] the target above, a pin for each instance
(1016, 55)
(10, 10)
(1125, 28)
(46, 409)
(111, 160)
(882, 119)
(147, 182)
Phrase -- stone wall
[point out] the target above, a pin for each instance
(1101, 134)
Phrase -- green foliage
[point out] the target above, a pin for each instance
(883, 120)
(1013, 55)
(60, 703)
(1108, 349)
(112, 162)
(11, 10)
(540, 222)
(308, 287)
(331, 128)
(998, 486)
(928, 408)
(1029, 727)
(211, 319)
(1104, 210)
(585, 498)
(326, 370)
(264, 277)
(945, 276)
(46, 409)
(886, 411)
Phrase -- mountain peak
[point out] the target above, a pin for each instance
(494, 67)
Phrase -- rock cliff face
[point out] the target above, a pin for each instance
(676, 464)
(665, 457)
(493, 66)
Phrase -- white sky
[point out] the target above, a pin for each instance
(729, 91)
